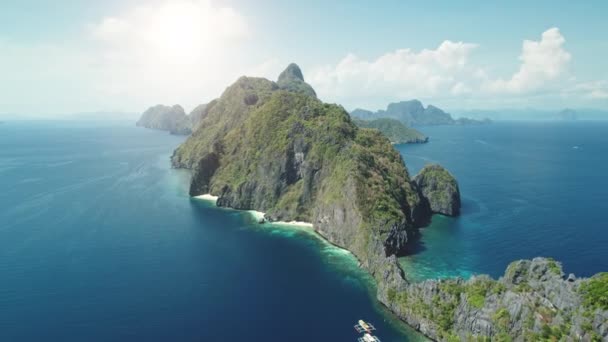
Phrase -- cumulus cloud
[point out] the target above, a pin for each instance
(541, 61)
(401, 73)
(448, 73)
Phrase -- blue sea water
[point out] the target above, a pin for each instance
(528, 189)
(99, 240)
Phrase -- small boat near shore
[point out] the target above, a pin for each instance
(367, 329)
(363, 326)
(368, 338)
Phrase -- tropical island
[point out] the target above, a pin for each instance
(274, 147)
(413, 113)
(394, 130)
(171, 118)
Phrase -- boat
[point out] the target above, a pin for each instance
(368, 338)
(363, 326)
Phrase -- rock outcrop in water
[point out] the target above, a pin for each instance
(172, 119)
(439, 189)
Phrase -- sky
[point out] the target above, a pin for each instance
(126, 55)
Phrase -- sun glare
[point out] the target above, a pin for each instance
(176, 32)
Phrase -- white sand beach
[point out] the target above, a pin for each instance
(208, 197)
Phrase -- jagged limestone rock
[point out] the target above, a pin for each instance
(291, 79)
(439, 189)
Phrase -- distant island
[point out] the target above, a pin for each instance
(394, 130)
(172, 119)
(413, 113)
(533, 114)
(274, 147)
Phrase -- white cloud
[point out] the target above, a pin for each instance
(172, 31)
(402, 73)
(269, 69)
(167, 51)
(447, 74)
(188, 51)
(541, 61)
(460, 89)
(595, 90)
(180, 51)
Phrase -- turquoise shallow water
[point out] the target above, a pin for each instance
(528, 189)
(99, 241)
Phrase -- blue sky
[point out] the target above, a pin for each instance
(77, 56)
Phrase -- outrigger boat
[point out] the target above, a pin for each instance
(368, 338)
(363, 326)
(366, 328)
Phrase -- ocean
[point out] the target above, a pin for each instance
(528, 189)
(99, 240)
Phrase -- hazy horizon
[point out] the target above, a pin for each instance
(129, 55)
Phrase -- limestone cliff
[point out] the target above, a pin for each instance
(172, 119)
(278, 149)
(439, 189)
(275, 148)
(533, 301)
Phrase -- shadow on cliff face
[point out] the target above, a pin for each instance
(417, 244)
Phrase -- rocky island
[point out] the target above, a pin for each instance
(413, 113)
(171, 118)
(275, 148)
(394, 130)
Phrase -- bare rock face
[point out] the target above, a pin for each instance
(439, 189)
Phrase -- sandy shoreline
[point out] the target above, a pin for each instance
(258, 215)
(208, 197)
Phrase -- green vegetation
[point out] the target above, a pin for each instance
(279, 149)
(291, 79)
(440, 189)
(502, 318)
(394, 130)
(523, 287)
(503, 337)
(595, 292)
(391, 294)
(554, 267)
(477, 290)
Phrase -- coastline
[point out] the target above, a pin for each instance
(307, 227)
(259, 216)
(471, 306)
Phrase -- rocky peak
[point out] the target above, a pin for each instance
(292, 71)
(533, 271)
(413, 106)
(292, 79)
